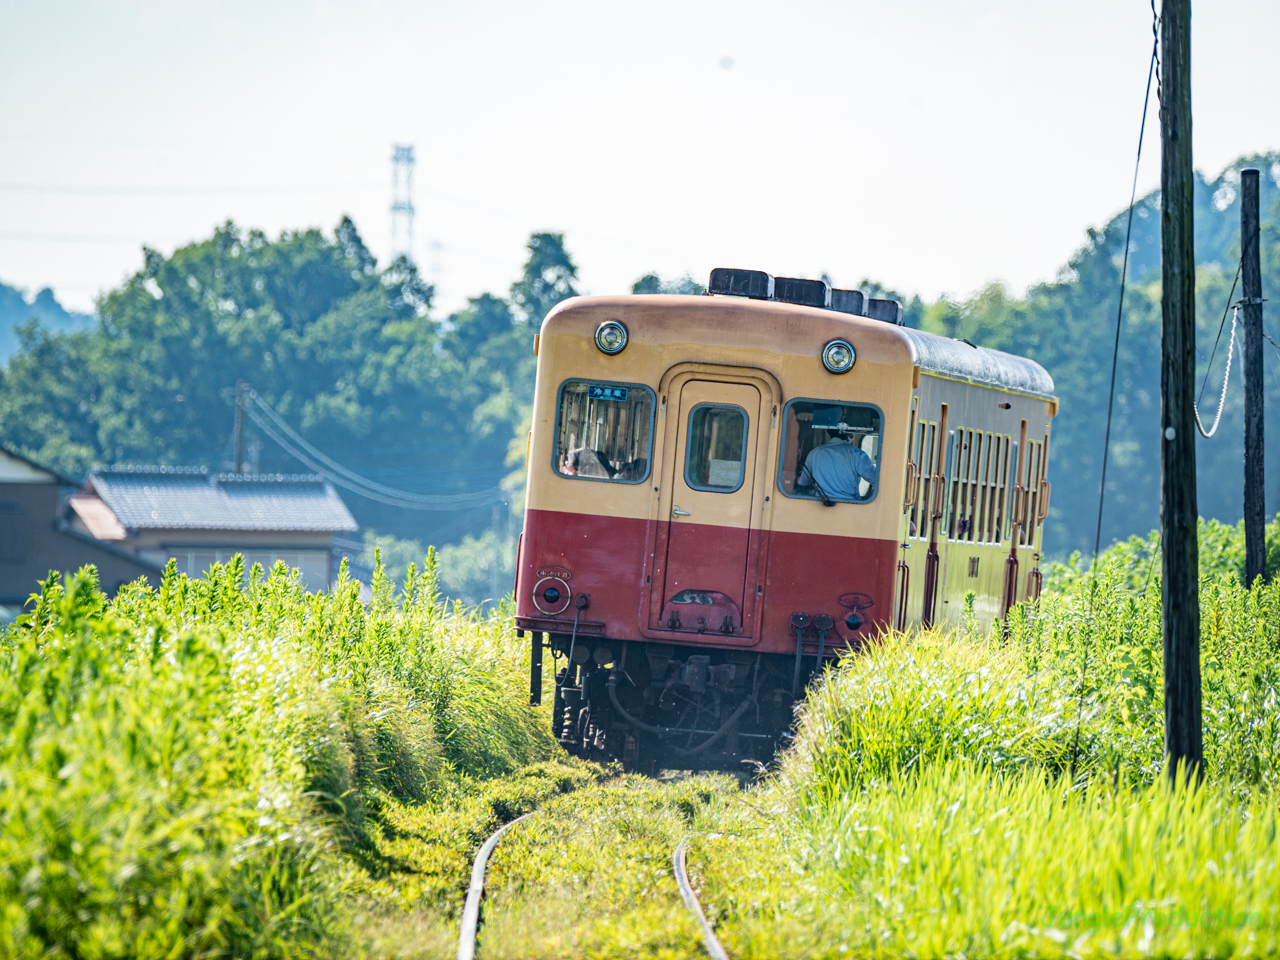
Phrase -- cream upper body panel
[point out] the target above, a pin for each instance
(724, 335)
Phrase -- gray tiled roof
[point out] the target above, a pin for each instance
(192, 498)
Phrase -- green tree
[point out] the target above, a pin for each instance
(652, 283)
(348, 353)
(549, 277)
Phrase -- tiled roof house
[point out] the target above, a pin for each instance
(199, 519)
(34, 538)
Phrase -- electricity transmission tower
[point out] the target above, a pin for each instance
(402, 201)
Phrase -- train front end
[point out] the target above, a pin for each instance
(685, 571)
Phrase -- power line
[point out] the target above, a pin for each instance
(1124, 276)
(1221, 325)
(106, 190)
(1152, 70)
(293, 443)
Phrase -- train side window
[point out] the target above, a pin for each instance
(717, 449)
(978, 493)
(604, 431)
(851, 475)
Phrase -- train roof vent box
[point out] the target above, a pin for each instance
(848, 301)
(758, 285)
(809, 293)
(755, 284)
(890, 311)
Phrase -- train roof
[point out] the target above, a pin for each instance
(778, 326)
(962, 360)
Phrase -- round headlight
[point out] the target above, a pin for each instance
(611, 337)
(838, 356)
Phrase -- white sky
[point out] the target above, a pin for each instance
(932, 146)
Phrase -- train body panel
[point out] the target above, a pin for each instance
(601, 557)
(679, 536)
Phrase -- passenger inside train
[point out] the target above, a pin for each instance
(604, 431)
(834, 450)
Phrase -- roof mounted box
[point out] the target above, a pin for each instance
(755, 284)
(809, 293)
(848, 301)
(890, 311)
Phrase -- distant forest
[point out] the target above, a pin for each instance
(16, 309)
(1068, 326)
(355, 358)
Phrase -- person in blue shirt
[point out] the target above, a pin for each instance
(836, 468)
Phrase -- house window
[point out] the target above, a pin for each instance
(312, 564)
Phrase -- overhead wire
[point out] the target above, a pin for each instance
(1152, 70)
(1221, 324)
(1226, 378)
(279, 430)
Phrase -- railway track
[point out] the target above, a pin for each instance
(475, 891)
(467, 935)
(709, 938)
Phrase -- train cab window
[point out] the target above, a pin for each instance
(830, 451)
(604, 431)
(717, 449)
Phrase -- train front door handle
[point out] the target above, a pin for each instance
(677, 512)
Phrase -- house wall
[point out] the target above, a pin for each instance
(316, 566)
(33, 542)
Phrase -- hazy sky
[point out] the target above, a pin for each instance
(931, 146)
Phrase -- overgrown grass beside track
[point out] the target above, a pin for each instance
(1001, 794)
(232, 767)
(216, 767)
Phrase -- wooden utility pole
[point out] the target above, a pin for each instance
(239, 427)
(1178, 510)
(1255, 510)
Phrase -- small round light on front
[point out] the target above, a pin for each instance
(611, 337)
(838, 356)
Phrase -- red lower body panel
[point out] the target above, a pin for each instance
(611, 561)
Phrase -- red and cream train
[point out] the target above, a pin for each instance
(686, 580)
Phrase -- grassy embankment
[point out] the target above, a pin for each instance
(977, 795)
(218, 768)
(251, 771)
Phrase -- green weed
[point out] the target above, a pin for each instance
(214, 767)
(590, 874)
(1002, 795)
(956, 859)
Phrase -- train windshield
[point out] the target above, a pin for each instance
(604, 431)
(830, 451)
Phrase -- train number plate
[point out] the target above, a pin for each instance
(599, 391)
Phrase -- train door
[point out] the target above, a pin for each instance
(703, 556)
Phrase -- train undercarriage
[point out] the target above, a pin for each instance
(654, 706)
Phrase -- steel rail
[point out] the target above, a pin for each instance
(471, 909)
(709, 939)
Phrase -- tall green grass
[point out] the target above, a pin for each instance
(1001, 793)
(196, 769)
(955, 859)
(1072, 685)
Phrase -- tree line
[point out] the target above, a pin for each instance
(353, 355)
